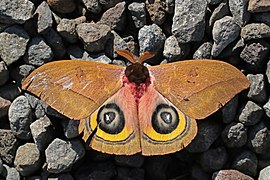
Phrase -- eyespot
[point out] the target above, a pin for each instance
(111, 119)
(165, 119)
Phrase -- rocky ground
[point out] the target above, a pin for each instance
(38, 143)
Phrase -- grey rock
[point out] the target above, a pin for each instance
(264, 173)
(4, 106)
(251, 114)
(203, 51)
(38, 52)
(115, 17)
(138, 14)
(259, 6)
(92, 5)
(21, 72)
(221, 11)
(115, 43)
(101, 58)
(259, 138)
(151, 38)
(103, 171)
(225, 31)
(230, 174)
(70, 128)
(4, 73)
(257, 91)
(169, 6)
(15, 11)
(54, 40)
(255, 54)
(239, 11)
(93, 36)
(246, 162)
(39, 107)
(208, 131)
(156, 11)
(234, 135)
(266, 108)
(20, 117)
(62, 6)
(13, 43)
(130, 173)
(262, 18)
(10, 173)
(173, 50)
(62, 155)
(189, 20)
(28, 159)
(213, 159)
(214, 2)
(43, 132)
(8, 146)
(119, 63)
(129, 161)
(9, 91)
(105, 4)
(255, 31)
(43, 17)
(229, 110)
(67, 29)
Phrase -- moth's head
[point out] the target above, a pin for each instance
(136, 72)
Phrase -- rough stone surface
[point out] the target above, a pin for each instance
(257, 91)
(189, 20)
(234, 135)
(10, 173)
(230, 174)
(4, 106)
(138, 14)
(225, 31)
(255, 31)
(266, 108)
(44, 19)
(156, 10)
(203, 51)
(42, 132)
(259, 6)
(38, 52)
(20, 117)
(246, 162)
(264, 173)
(62, 155)
(8, 146)
(251, 114)
(15, 11)
(92, 5)
(239, 11)
(67, 29)
(219, 12)
(93, 36)
(38, 105)
(28, 159)
(13, 43)
(229, 110)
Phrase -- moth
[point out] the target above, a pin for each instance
(151, 110)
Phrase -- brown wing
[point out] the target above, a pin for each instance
(198, 87)
(75, 88)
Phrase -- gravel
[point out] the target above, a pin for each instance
(36, 142)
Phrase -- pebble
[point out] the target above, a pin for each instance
(156, 10)
(92, 5)
(255, 31)
(239, 11)
(259, 6)
(93, 36)
(234, 135)
(189, 20)
(203, 51)
(10, 173)
(229, 110)
(246, 162)
(20, 117)
(67, 29)
(225, 31)
(115, 17)
(13, 43)
(62, 6)
(42, 131)
(138, 14)
(230, 174)
(259, 138)
(208, 132)
(213, 159)
(266, 108)
(8, 146)
(62, 155)
(257, 90)
(38, 52)
(251, 114)
(28, 159)
(264, 173)
(37, 105)
(135, 161)
(44, 18)
(4, 73)
(11, 11)
(219, 12)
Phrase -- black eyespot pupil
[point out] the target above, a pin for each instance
(166, 117)
(109, 117)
